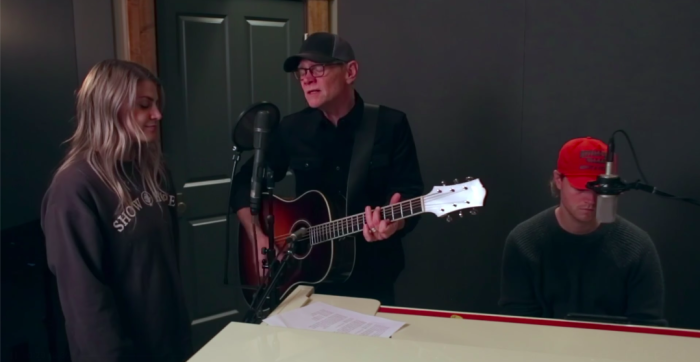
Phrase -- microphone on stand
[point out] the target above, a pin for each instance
(261, 129)
(295, 236)
(608, 187)
(606, 203)
(249, 131)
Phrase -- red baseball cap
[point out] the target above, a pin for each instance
(581, 160)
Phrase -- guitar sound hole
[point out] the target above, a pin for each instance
(302, 249)
(303, 246)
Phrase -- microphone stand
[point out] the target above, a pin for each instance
(610, 184)
(613, 186)
(236, 158)
(638, 185)
(270, 224)
(253, 315)
(270, 252)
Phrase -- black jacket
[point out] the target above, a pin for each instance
(318, 153)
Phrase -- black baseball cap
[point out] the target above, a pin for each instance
(321, 48)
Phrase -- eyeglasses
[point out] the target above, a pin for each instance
(317, 70)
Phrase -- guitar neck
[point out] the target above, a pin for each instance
(353, 224)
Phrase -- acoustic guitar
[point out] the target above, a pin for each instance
(325, 253)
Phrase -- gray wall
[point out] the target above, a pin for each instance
(94, 33)
(47, 49)
(494, 88)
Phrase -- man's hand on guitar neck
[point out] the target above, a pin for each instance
(377, 229)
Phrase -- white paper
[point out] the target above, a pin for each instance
(323, 317)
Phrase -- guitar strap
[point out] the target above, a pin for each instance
(360, 159)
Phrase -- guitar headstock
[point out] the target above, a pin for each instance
(446, 199)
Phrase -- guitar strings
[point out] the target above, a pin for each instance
(340, 226)
(328, 229)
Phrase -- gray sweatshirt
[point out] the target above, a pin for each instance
(117, 273)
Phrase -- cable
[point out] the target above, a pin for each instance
(655, 191)
(645, 186)
(227, 239)
(634, 154)
(228, 227)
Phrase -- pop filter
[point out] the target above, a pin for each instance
(242, 132)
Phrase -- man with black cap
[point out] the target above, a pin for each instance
(359, 155)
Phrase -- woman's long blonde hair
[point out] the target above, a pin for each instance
(104, 140)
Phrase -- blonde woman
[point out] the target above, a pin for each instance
(110, 225)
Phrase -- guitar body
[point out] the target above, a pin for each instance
(331, 261)
(326, 252)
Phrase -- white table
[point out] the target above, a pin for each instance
(436, 336)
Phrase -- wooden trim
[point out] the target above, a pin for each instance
(318, 16)
(142, 33)
(135, 28)
(135, 32)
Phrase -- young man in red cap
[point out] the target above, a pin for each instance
(563, 260)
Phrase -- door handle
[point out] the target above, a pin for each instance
(181, 205)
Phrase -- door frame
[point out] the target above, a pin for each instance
(135, 28)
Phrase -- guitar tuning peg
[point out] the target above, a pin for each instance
(472, 211)
(456, 181)
(442, 182)
(449, 218)
(469, 178)
(461, 214)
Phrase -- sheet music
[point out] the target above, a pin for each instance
(323, 317)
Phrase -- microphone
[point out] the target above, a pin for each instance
(608, 187)
(293, 237)
(296, 235)
(261, 129)
(606, 203)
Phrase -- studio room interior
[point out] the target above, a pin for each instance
(308, 180)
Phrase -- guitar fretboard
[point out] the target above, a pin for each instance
(353, 224)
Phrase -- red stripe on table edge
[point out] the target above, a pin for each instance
(544, 322)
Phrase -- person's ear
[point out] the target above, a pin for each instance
(557, 176)
(351, 69)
